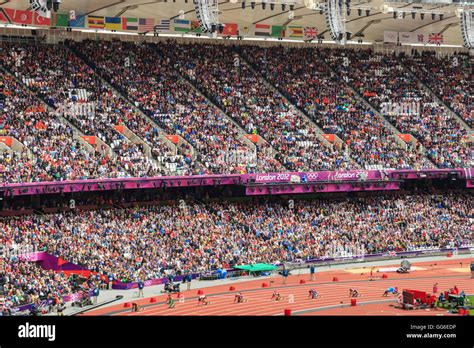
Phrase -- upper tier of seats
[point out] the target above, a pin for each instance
(323, 95)
(450, 78)
(232, 109)
(152, 83)
(412, 108)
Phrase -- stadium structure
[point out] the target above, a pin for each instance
(279, 157)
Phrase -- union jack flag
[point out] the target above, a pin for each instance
(310, 32)
(435, 39)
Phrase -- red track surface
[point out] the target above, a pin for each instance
(334, 299)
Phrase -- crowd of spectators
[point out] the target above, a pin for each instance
(151, 82)
(390, 87)
(151, 242)
(23, 282)
(153, 78)
(450, 77)
(314, 88)
(54, 153)
(242, 94)
(26, 282)
(58, 76)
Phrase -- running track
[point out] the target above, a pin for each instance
(334, 298)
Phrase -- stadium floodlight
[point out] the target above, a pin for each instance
(336, 21)
(467, 30)
(41, 7)
(312, 4)
(207, 13)
(386, 9)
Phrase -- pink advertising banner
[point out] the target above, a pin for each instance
(319, 176)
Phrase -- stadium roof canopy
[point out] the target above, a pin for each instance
(371, 24)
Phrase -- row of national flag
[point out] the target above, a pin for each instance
(291, 31)
(260, 30)
(413, 37)
(81, 21)
(187, 26)
(148, 24)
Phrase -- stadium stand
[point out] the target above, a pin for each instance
(259, 109)
(449, 77)
(54, 72)
(176, 106)
(147, 242)
(333, 106)
(389, 86)
(54, 153)
(216, 138)
(228, 110)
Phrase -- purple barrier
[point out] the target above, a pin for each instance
(118, 285)
(113, 184)
(127, 286)
(232, 179)
(67, 298)
(413, 253)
